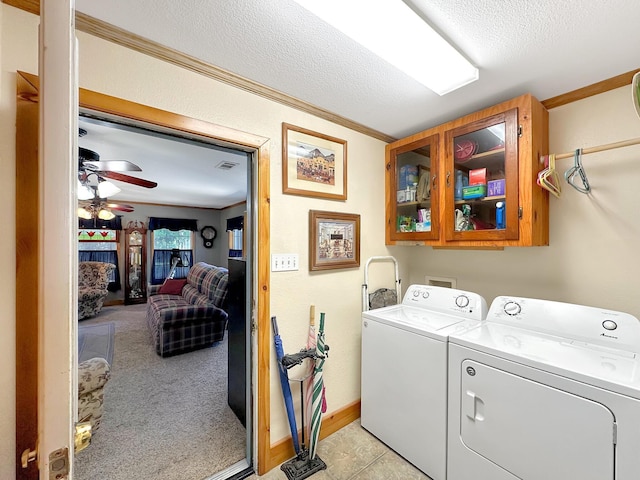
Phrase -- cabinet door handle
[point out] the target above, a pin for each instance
(448, 179)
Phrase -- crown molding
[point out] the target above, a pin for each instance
(119, 36)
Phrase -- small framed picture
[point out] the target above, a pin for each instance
(313, 164)
(334, 240)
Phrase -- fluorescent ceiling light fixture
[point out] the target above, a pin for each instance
(394, 32)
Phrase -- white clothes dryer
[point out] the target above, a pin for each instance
(404, 371)
(545, 391)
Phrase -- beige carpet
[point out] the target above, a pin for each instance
(165, 418)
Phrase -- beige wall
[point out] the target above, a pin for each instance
(113, 70)
(16, 52)
(593, 256)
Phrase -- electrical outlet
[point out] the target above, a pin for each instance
(284, 262)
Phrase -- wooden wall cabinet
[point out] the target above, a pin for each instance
(135, 240)
(430, 191)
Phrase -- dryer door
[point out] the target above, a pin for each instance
(532, 430)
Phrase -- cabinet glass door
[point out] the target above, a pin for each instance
(135, 280)
(482, 179)
(413, 204)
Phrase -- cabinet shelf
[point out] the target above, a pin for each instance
(491, 159)
(496, 198)
(426, 203)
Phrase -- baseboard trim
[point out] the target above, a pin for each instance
(282, 450)
(112, 303)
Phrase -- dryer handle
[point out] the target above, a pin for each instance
(472, 406)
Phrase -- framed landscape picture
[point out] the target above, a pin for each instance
(313, 164)
(334, 240)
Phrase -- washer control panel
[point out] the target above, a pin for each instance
(574, 322)
(447, 300)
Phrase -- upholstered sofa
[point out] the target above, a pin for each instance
(192, 315)
(93, 375)
(93, 280)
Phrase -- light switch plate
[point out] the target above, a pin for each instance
(284, 262)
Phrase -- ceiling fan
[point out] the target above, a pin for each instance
(93, 189)
(90, 163)
(98, 208)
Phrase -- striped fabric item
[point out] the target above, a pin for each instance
(196, 275)
(181, 323)
(215, 283)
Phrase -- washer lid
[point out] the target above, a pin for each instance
(595, 364)
(421, 321)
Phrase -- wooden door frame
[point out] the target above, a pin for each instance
(28, 226)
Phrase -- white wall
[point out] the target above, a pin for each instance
(593, 256)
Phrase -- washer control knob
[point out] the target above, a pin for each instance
(416, 292)
(609, 324)
(462, 301)
(425, 294)
(512, 308)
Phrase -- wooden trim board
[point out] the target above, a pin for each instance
(27, 274)
(283, 449)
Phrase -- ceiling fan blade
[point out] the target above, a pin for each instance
(120, 207)
(112, 165)
(128, 179)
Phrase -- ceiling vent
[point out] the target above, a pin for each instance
(224, 165)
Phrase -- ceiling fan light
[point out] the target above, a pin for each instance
(107, 189)
(84, 192)
(105, 214)
(84, 213)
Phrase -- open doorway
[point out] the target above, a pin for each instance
(177, 414)
(28, 275)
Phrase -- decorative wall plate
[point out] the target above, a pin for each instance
(464, 150)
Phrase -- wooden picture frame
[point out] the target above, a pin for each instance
(313, 164)
(334, 240)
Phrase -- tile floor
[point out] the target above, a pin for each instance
(352, 453)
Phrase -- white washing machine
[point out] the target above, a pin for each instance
(545, 391)
(404, 371)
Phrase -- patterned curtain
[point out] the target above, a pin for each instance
(173, 224)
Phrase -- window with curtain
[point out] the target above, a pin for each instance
(171, 237)
(100, 245)
(235, 232)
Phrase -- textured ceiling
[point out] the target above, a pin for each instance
(184, 170)
(546, 47)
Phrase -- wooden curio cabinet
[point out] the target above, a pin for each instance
(135, 240)
(482, 170)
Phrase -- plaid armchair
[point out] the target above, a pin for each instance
(193, 318)
(93, 280)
